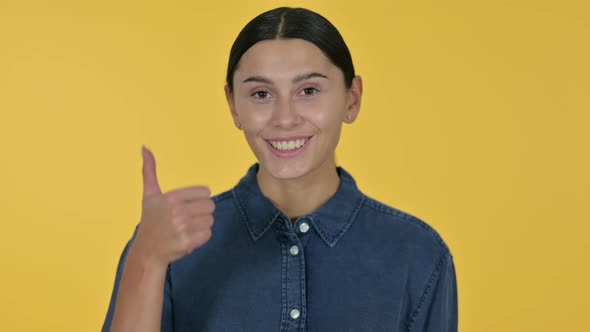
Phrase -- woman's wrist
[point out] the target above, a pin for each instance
(140, 260)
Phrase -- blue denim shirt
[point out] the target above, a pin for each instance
(354, 264)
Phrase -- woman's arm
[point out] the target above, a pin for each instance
(438, 309)
(139, 299)
(172, 225)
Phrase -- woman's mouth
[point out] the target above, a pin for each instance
(288, 148)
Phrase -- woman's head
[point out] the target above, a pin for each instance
(291, 80)
(289, 23)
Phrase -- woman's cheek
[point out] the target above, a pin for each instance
(313, 108)
(254, 113)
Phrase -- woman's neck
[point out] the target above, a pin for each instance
(303, 195)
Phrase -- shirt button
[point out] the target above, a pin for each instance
(303, 227)
(294, 250)
(295, 313)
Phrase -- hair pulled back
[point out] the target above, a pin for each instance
(287, 23)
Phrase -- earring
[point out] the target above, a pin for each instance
(239, 125)
(349, 117)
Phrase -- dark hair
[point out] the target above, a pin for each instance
(286, 23)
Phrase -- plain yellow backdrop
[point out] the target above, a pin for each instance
(475, 118)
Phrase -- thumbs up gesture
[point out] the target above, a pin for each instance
(172, 224)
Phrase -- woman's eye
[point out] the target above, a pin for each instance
(260, 94)
(310, 91)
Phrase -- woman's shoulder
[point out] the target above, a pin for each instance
(411, 228)
(222, 197)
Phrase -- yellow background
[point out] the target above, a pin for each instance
(474, 118)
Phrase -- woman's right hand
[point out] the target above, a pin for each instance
(172, 224)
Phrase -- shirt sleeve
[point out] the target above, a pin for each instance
(167, 323)
(438, 307)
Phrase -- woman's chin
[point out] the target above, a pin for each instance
(284, 170)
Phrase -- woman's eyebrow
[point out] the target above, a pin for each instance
(308, 76)
(298, 78)
(258, 79)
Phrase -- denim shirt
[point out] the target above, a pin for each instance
(354, 264)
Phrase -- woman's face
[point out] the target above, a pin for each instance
(290, 101)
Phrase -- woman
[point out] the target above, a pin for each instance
(295, 245)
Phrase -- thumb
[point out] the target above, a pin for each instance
(150, 179)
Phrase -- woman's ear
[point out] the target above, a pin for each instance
(355, 94)
(229, 97)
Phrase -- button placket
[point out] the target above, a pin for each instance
(303, 227)
(294, 250)
(295, 313)
(294, 281)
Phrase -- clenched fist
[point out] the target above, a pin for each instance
(172, 224)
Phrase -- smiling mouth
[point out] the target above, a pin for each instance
(289, 145)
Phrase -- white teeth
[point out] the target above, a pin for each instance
(288, 145)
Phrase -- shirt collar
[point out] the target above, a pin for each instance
(331, 220)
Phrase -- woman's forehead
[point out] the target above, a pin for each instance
(283, 58)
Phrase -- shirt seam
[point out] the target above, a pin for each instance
(427, 290)
(386, 209)
(238, 201)
(222, 196)
(332, 240)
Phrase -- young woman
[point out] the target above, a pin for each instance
(294, 245)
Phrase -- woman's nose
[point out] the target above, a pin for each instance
(285, 113)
